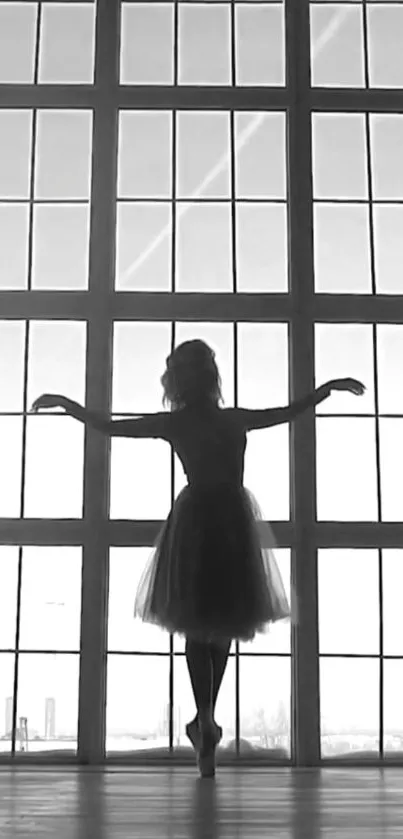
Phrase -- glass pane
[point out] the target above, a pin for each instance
(204, 253)
(15, 153)
(144, 247)
(67, 43)
(339, 156)
(345, 351)
(267, 454)
(220, 337)
(204, 44)
(262, 248)
(278, 638)
(391, 455)
(51, 598)
(48, 700)
(345, 270)
(126, 634)
(147, 55)
(12, 350)
(337, 46)
(63, 154)
(7, 664)
(265, 703)
(346, 469)
(140, 479)
(57, 360)
(349, 719)
(203, 155)
(385, 36)
(54, 468)
(392, 578)
(390, 353)
(11, 463)
(17, 42)
(386, 156)
(260, 45)
(392, 709)
(145, 155)
(14, 228)
(61, 247)
(136, 719)
(388, 226)
(342, 573)
(139, 353)
(260, 162)
(263, 365)
(8, 597)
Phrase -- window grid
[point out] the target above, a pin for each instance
(47, 305)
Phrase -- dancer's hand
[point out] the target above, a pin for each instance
(49, 400)
(351, 385)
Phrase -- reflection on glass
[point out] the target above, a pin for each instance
(144, 247)
(137, 716)
(339, 32)
(349, 717)
(139, 353)
(339, 156)
(47, 706)
(260, 155)
(341, 351)
(14, 228)
(347, 269)
(67, 42)
(203, 144)
(346, 469)
(60, 247)
(348, 584)
(204, 44)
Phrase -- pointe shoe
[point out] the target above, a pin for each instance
(206, 756)
(193, 733)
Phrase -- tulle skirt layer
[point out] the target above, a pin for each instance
(212, 574)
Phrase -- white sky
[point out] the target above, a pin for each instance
(346, 474)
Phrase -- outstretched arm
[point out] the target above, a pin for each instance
(155, 425)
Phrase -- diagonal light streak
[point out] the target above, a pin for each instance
(327, 34)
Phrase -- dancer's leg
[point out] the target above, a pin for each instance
(200, 668)
(219, 658)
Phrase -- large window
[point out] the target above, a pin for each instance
(230, 171)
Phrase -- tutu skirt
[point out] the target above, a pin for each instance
(212, 574)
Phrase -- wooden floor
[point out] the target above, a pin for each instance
(174, 803)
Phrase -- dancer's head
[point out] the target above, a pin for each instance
(191, 377)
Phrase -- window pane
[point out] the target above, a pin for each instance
(15, 153)
(126, 634)
(61, 247)
(14, 227)
(57, 360)
(342, 573)
(220, 337)
(67, 43)
(11, 461)
(390, 354)
(147, 53)
(139, 353)
(8, 596)
(203, 155)
(348, 716)
(345, 351)
(391, 454)
(140, 479)
(204, 45)
(265, 716)
(346, 470)
(339, 156)
(204, 253)
(388, 226)
(260, 148)
(267, 454)
(145, 155)
(17, 42)
(144, 247)
(392, 578)
(48, 699)
(7, 665)
(262, 248)
(385, 36)
(137, 719)
(263, 365)
(54, 468)
(51, 598)
(392, 687)
(63, 154)
(260, 45)
(337, 46)
(12, 349)
(347, 269)
(386, 156)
